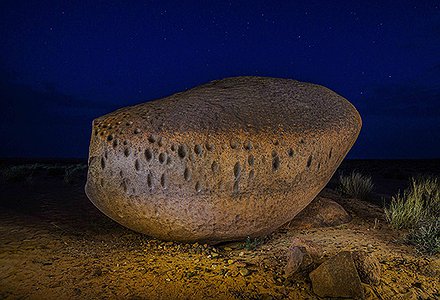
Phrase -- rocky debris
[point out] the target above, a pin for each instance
(294, 260)
(301, 255)
(321, 212)
(230, 159)
(368, 267)
(369, 293)
(337, 277)
(244, 272)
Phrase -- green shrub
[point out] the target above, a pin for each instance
(418, 209)
(426, 237)
(356, 185)
(253, 243)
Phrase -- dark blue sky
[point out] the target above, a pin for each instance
(63, 63)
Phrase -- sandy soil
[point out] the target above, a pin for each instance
(54, 244)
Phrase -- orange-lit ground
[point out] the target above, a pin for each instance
(55, 244)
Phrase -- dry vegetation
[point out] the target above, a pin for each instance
(356, 185)
(418, 209)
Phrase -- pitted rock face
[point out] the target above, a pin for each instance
(228, 159)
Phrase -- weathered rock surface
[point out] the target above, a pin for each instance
(228, 159)
(337, 277)
(301, 256)
(368, 267)
(321, 212)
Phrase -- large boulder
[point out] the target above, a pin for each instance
(229, 159)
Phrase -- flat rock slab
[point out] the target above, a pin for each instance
(229, 159)
(337, 277)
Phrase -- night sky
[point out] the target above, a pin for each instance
(64, 63)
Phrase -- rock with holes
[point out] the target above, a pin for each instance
(229, 159)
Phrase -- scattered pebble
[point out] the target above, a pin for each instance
(244, 272)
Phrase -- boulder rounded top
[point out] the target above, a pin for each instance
(245, 103)
(225, 160)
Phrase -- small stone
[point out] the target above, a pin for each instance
(97, 272)
(227, 249)
(240, 264)
(244, 272)
(241, 254)
(230, 261)
(214, 255)
(77, 291)
(294, 261)
(418, 284)
(309, 247)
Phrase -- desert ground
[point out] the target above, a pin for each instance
(54, 244)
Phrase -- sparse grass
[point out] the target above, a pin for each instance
(72, 171)
(418, 209)
(253, 243)
(420, 202)
(26, 173)
(19, 173)
(356, 185)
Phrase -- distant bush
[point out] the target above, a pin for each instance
(72, 171)
(356, 185)
(19, 173)
(418, 209)
(27, 172)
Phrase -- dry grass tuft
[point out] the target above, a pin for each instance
(418, 209)
(356, 185)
